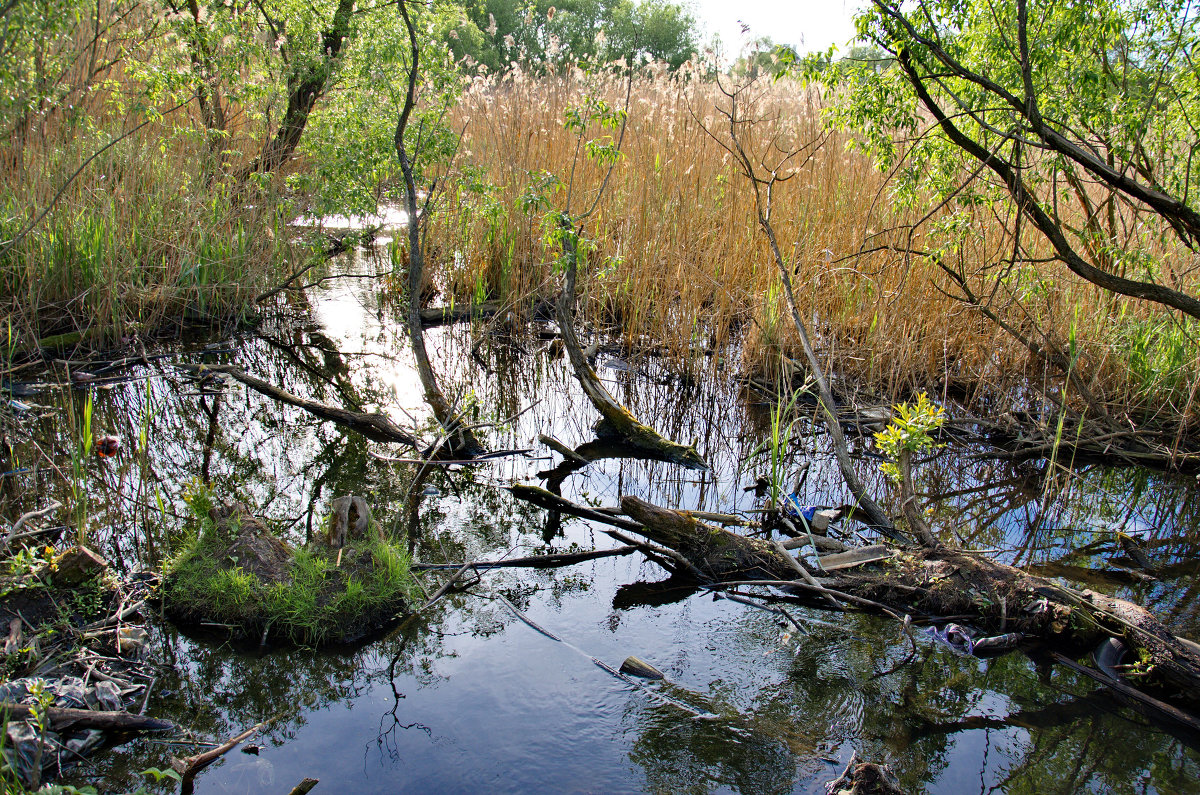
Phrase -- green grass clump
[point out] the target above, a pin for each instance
(301, 596)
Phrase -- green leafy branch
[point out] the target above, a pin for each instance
(910, 431)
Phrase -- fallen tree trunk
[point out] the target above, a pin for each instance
(459, 313)
(944, 582)
(376, 427)
(617, 421)
(553, 502)
(713, 550)
(65, 718)
(446, 315)
(936, 582)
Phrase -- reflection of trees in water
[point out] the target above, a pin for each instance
(1024, 735)
(768, 735)
(678, 754)
(215, 692)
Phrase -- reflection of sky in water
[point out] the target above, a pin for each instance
(490, 705)
(389, 217)
(347, 311)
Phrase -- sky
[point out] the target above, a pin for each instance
(808, 25)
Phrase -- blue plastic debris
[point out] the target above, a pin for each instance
(792, 507)
(956, 637)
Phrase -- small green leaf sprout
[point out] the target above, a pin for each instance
(910, 430)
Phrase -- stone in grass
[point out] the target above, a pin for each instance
(238, 574)
(636, 666)
(75, 566)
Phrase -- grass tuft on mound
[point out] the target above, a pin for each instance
(236, 573)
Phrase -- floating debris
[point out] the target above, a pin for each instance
(954, 636)
(636, 666)
(107, 446)
(32, 751)
(854, 557)
(816, 517)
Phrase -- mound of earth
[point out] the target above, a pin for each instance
(239, 575)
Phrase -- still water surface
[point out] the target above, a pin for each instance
(472, 699)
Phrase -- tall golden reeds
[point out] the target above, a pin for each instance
(141, 226)
(676, 257)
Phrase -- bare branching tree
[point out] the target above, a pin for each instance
(768, 167)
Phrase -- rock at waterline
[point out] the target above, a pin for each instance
(76, 565)
(636, 666)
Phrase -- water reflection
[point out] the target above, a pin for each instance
(471, 699)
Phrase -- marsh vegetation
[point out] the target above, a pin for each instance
(892, 356)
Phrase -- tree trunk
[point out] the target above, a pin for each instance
(460, 440)
(617, 421)
(306, 82)
(715, 551)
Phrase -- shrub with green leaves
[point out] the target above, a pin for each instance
(909, 431)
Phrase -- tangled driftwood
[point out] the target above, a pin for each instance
(943, 581)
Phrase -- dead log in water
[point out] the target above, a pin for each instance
(459, 313)
(446, 315)
(61, 718)
(944, 582)
(713, 550)
(616, 420)
(935, 582)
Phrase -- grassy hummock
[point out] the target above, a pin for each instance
(236, 573)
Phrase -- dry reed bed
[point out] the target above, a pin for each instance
(676, 256)
(150, 230)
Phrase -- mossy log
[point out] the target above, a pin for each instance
(944, 582)
(713, 550)
(616, 420)
(76, 565)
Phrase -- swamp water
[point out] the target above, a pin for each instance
(471, 698)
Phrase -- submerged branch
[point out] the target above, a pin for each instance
(551, 561)
(377, 427)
